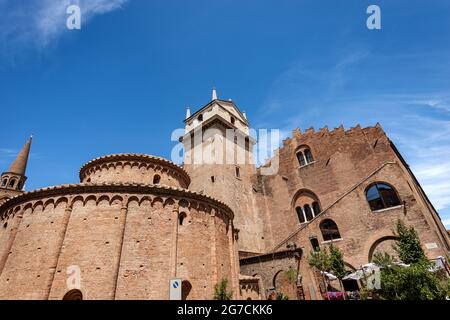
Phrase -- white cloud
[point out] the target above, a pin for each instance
(417, 122)
(446, 223)
(39, 23)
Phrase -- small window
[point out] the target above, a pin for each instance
(212, 179)
(308, 212)
(186, 288)
(200, 117)
(233, 120)
(301, 158)
(182, 218)
(238, 172)
(308, 156)
(156, 179)
(381, 196)
(12, 183)
(300, 215)
(316, 208)
(5, 181)
(329, 230)
(315, 244)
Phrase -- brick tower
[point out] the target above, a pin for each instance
(218, 157)
(13, 180)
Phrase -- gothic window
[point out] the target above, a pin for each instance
(304, 156)
(301, 216)
(238, 172)
(306, 205)
(12, 182)
(233, 120)
(301, 158)
(156, 179)
(381, 196)
(315, 244)
(5, 181)
(308, 212)
(329, 230)
(316, 208)
(308, 156)
(181, 218)
(200, 118)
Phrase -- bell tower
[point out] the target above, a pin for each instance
(218, 155)
(13, 180)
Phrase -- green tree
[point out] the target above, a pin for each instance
(221, 291)
(291, 275)
(337, 266)
(408, 245)
(415, 282)
(329, 260)
(320, 260)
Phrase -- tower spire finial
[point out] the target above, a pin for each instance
(19, 166)
(214, 94)
(188, 112)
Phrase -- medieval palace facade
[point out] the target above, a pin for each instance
(135, 221)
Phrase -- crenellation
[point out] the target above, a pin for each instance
(136, 221)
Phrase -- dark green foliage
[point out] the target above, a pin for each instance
(415, 282)
(221, 291)
(408, 244)
(329, 260)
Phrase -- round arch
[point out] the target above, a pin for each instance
(377, 242)
(73, 294)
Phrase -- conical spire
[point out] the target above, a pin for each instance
(214, 94)
(19, 165)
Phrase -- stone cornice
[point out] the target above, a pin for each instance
(127, 157)
(77, 189)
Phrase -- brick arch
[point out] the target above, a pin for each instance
(282, 284)
(377, 243)
(303, 192)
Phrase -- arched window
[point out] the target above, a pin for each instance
(308, 212)
(301, 216)
(304, 156)
(381, 196)
(316, 208)
(301, 158)
(233, 120)
(315, 244)
(12, 182)
(186, 288)
(156, 179)
(308, 156)
(5, 181)
(329, 230)
(200, 118)
(74, 294)
(182, 218)
(306, 205)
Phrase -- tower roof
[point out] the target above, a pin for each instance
(19, 165)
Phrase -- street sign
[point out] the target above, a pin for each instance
(175, 289)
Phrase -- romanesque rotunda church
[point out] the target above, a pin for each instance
(136, 221)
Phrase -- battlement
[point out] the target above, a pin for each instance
(340, 131)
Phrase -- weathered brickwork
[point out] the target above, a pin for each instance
(345, 164)
(137, 221)
(128, 241)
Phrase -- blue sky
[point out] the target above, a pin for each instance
(122, 82)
